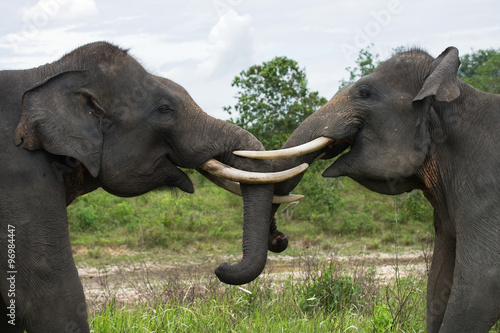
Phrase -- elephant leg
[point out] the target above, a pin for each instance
(474, 303)
(5, 326)
(49, 293)
(55, 305)
(46, 292)
(440, 281)
(43, 282)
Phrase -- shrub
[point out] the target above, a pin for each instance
(382, 318)
(330, 292)
(87, 218)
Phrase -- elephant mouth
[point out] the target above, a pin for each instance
(337, 147)
(230, 178)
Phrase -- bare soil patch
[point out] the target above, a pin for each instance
(145, 281)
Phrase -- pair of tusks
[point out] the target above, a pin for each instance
(234, 187)
(229, 178)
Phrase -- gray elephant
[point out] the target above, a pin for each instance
(95, 118)
(412, 124)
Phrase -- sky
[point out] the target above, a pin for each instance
(204, 44)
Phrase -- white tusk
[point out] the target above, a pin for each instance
(284, 199)
(234, 187)
(224, 171)
(303, 149)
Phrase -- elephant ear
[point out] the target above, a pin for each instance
(61, 116)
(442, 81)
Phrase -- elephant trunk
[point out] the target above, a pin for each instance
(283, 188)
(257, 201)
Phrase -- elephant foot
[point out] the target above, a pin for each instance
(277, 242)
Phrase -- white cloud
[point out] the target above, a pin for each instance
(65, 11)
(46, 45)
(78, 8)
(230, 45)
(157, 49)
(51, 28)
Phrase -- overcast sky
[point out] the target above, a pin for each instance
(203, 44)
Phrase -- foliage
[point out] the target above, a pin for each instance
(330, 292)
(402, 301)
(415, 208)
(366, 64)
(471, 62)
(163, 218)
(481, 69)
(382, 319)
(273, 99)
(211, 219)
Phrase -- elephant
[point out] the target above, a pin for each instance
(413, 124)
(96, 118)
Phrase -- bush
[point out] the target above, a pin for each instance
(416, 208)
(86, 218)
(382, 318)
(330, 292)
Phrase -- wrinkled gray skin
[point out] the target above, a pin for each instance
(412, 124)
(96, 118)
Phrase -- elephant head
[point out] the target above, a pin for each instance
(128, 131)
(381, 123)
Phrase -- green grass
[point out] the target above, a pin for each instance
(335, 300)
(335, 212)
(327, 298)
(166, 219)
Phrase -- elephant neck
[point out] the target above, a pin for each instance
(460, 175)
(77, 181)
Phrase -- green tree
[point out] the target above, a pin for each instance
(481, 69)
(273, 99)
(366, 64)
(471, 62)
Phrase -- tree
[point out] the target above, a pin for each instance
(273, 99)
(471, 62)
(481, 69)
(367, 62)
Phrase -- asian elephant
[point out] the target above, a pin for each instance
(412, 124)
(96, 118)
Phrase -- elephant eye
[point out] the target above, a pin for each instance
(364, 93)
(165, 109)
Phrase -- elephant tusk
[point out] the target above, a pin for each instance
(285, 199)
(246, 177)
(234, 187)
(303, 149)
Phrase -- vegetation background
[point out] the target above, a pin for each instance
(337, 216)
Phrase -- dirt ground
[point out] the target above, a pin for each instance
(131, 282)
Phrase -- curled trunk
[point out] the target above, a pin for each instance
(257, 205)
(257, 201)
